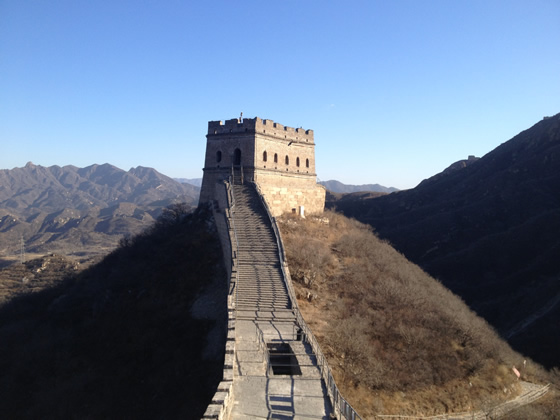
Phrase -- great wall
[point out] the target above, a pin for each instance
(254, 171)
(274, 368)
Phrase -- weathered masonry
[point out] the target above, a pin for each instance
(279, 159)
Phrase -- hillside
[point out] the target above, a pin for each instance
(488, 231)
(398, 341)
(64, 209)
(121, 339)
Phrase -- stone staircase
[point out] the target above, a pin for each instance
(261, 293)
(268, 382)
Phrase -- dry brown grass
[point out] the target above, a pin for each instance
(397, 340)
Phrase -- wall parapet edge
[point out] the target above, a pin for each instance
(220, 406)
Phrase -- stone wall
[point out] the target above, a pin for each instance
(221, 404)
(220, 210)
(286, 193)
(300, 156)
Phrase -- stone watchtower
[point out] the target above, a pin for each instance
(279, 159)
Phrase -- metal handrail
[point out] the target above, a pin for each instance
(337, 400)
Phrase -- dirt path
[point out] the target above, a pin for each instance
(529, 393)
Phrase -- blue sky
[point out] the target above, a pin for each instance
(395, 91)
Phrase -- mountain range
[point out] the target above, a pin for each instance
(489, 231)
(197, 182)
(338, 187)
(64, 208)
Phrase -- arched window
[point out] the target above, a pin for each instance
(275, 157)
(307, 163)
(297, 161)
(265, 156)
(287, 160)
(237, 157)
(219, 156)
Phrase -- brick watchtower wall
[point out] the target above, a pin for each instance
(280, 159)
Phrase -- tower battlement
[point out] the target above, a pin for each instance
(259, 126)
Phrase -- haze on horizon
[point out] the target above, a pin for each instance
(394, 91)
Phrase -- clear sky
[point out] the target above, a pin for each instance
(394, 90)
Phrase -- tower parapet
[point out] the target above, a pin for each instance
(258, 125)
(279, 158)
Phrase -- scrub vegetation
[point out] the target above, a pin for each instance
(397, 340)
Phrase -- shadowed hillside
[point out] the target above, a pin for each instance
(398, 341)
(120, 339)
(489, 232)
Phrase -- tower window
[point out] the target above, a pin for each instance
(265, 156)
(307, 163)
(275, 157)
(237, 157)
(219, 156)
(287, 160)
(297, 161)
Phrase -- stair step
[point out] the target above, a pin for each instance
(260, 284)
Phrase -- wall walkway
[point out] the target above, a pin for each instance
(275, 374)
(277, 369)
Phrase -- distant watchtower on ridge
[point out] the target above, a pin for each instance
(279, 159)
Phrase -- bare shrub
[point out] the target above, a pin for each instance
(388, 328)
(311, 258)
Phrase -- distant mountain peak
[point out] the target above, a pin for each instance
(338, 187)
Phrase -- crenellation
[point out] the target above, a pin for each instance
(257, 125)
(283, 132)
(235, 125)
